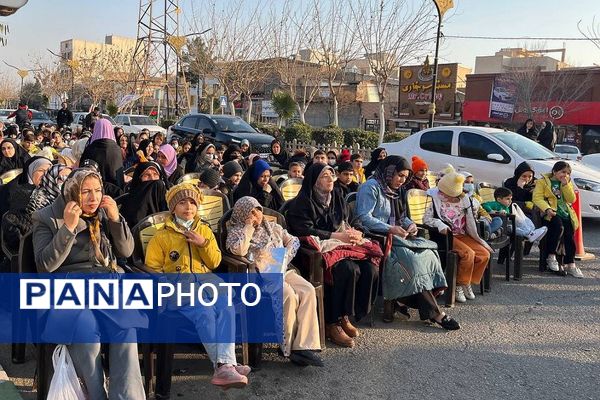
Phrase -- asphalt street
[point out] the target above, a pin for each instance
(534, 339)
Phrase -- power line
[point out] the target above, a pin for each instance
(518, 38)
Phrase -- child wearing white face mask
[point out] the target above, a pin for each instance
(492, 226)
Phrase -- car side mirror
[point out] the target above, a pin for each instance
(495, 157)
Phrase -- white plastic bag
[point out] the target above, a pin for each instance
(520, 216)
(65, 383)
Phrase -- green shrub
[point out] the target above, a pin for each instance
(366, 139)
(299, 131)
(269, 129)
(328, 135)
(165, 123)
(394, 137)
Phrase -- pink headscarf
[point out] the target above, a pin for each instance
(103, 129)
(171, 156)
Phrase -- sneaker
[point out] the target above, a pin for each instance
(468, 291)
(460, 295)
(492, 236)
(306, 357)
(227, 377)
(573, 271)
(243, 369)
(552, 264)
(486, 235)
(537, 234)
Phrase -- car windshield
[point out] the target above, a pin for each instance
(142, 120)
(4, 113)
(566, 149)
(225, 124)
(524, 147)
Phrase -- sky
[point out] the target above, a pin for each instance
(42, 24)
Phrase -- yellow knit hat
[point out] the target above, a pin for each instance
(451, 184)
(183, 191)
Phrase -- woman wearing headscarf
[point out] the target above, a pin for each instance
(318, 214)
(232, 174)
(82, 231)
(203, 158)
(376, 156)
(528, 129)
(123, 142)
(547, 136)
(413, 273)
(197, 141)
(522, 184)
(144, 152)
(256, 182)
(279, 154)
(13, 156)
(167, 157)
(146, 195)
(250, 235)
(104, 150)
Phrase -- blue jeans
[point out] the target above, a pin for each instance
(524, 227)
(493, 226)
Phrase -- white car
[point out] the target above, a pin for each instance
(492, 155)
(79, 117)
(592, 160)
(567, 152)
(135, 123)
(4, 113)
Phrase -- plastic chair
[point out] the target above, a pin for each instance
(214, 205)
(10, 175)
(432, 178)
(290, 188)
(192, 177)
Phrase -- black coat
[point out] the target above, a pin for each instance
(529, 134)
(64, 117)
(307, 217)
(547, 136)
(521, 195)
(107, 153)
(247, 187)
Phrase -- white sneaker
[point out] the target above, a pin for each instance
(552, 264)
(537, 234)
(468, 291)
(572, 270)
(460, 295)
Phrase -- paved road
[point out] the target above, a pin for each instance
(534, 339)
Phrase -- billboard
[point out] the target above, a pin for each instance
(502, 103)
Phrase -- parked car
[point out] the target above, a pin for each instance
(40, 117)
(567, 152)
(592, 160)
(4, 113)
(79, 117)
(135, 123)
(221, 129)
(492, 156)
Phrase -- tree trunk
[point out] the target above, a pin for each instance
(211, 104)
(301, 112)
(232, 108)
(381, 121)
(249, 110)
(336, 121)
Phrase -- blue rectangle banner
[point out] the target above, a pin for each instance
(141, 308)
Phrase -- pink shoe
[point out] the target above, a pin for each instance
(227, 377)
(243, 369)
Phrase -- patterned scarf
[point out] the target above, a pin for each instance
(384, 173)
(48, 190)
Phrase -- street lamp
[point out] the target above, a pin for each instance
(441, 6)
(22, 73)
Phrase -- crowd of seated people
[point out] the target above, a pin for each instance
(66, 195)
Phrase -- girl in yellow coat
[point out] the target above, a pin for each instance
(554, 195)
(186, 245)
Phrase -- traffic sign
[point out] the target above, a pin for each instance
(223, 101)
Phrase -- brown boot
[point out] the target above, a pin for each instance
(348, 327)
(336, 334)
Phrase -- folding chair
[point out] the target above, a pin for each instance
(418, 202)
(214, 205)
(432, 178)
(290, 188)
(10, 175)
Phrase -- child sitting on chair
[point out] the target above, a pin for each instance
(524, 226)
(492, 226)
(186, 245)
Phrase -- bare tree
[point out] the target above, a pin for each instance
(292, 31)
(9, 91)
(592, 32)
(336, 46)
(391, 33)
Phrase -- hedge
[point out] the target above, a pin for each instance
(394, 137)
(269, 129)
(299, 131)
(366, 139)
(328, 135)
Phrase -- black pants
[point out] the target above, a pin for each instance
(353, 291)
(560, 229)
(425, 302)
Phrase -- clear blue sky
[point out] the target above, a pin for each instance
(43, 24)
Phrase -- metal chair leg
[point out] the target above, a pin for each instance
(519, 251)
(319, 291)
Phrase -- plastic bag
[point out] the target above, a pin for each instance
(65, 383)
(520, 216)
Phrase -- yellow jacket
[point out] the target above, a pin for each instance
(169, 252)
(543, 198)
(481, 212)
(359, 176)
